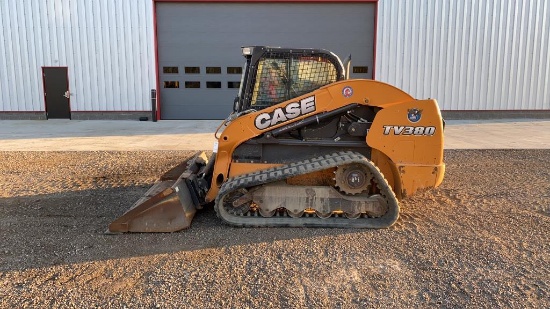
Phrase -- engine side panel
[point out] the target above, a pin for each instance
(410, 135)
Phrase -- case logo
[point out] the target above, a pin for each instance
(282, 114)
(414, 115)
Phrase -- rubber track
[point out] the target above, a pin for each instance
(304, 167)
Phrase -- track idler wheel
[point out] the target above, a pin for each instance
(353, 179)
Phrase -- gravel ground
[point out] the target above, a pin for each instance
(480, 240)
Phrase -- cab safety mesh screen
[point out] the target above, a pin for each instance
(281, 77)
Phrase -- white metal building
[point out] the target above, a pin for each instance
(102, 58)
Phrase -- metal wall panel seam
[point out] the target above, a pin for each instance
(123, 47)
(394, 52)
(119, 10)
(507, 54)
(145, 44)
(52, 29)
(93, 53)
(525, 99)
(5, 97)
(109, 67)
(406, 53)
(464, 55)
(381, 67)
(105, 57)
(383, 32)
(491, 38)
(60, 29)
(118, 68)
(43, 34)
(70, 54)
(529, 54)
(29, 70)
(400, 50)
(514, 55)
(129, 55)
(433, 88)
(83, 47)
(24, 97)
(545, 79)
(144, 52)
(38, 54)
(474, 78)
(144, 62)
(423, 51)
(67, 47)
(77, 71)
(535, 55)
(474, 90)
(143, 93)
(134, 51)
(151, 80)
(416, 25)
(522, 57)
(451, 56)
(497, 96)
(92, 58)
(465, 52)
(113, 56)
(82, 39)
(99, 33)
(35, 72)
(16, 57)
(442, 65)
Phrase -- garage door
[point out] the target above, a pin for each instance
(199, 46)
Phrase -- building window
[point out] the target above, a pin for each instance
(192, 84)
(192, 70)
(171, 84)
(233, 85)
(361, 70)
(234, 70)
(213, 84)
(213, 70)
(170, 70)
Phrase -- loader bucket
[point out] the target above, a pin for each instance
(166, 207)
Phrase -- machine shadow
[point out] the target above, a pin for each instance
(70, 228)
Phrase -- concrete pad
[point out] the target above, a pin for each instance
(498, 134)
(90, 135)
(86, 135)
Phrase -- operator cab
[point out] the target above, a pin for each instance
(273, 75)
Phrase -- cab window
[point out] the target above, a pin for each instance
(279, 79)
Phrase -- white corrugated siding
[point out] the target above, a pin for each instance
(468, 54)
(107, 46)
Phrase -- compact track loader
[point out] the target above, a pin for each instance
(304, 147)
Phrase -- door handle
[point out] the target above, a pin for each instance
(67, 94)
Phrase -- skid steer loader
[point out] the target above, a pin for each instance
(305, 146)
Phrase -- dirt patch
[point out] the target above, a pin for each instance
(480, 240)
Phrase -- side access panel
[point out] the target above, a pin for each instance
(410, 135)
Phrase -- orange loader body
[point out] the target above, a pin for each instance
(305, 147)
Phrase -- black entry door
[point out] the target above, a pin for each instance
(56, 92)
